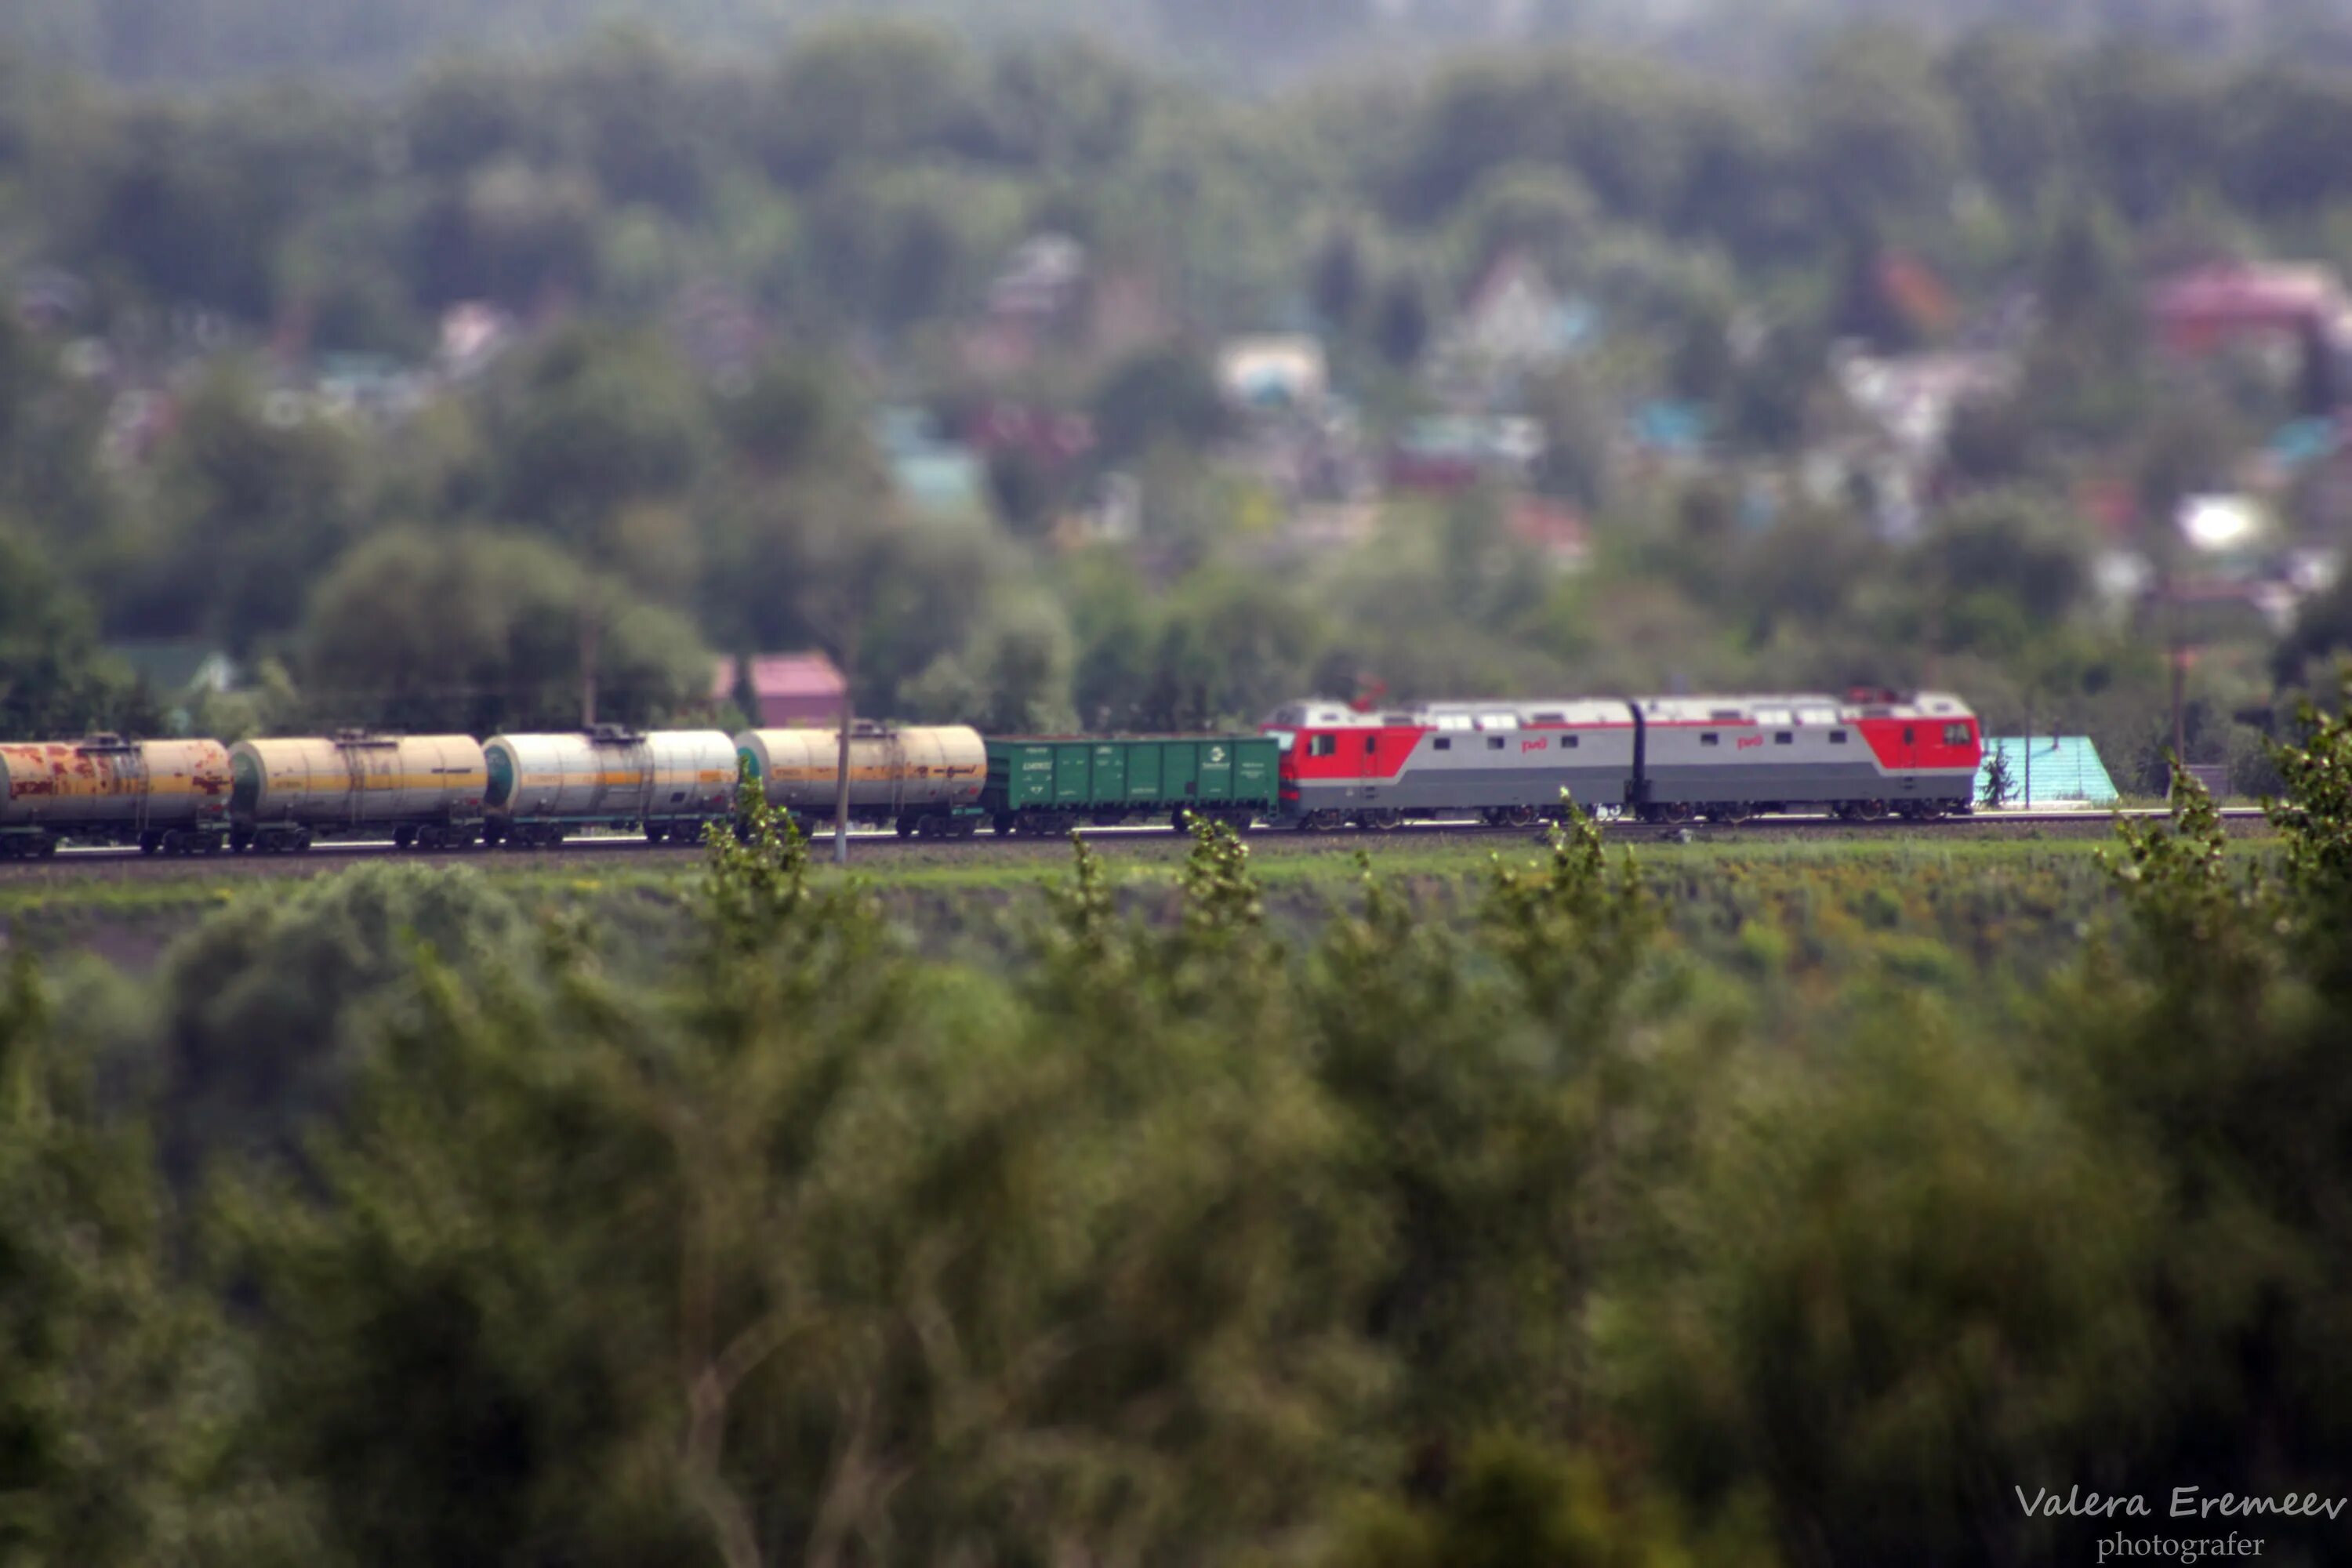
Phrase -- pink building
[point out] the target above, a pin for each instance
(787, 689)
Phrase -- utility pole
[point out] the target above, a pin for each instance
(841, 776)
(589, 632)
(2028, 754)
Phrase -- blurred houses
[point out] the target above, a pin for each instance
(1512, 324)
(940, 479)
(1448, 454)
(1049, 299)
(781, 690)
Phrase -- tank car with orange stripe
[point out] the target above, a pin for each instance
(423, 791)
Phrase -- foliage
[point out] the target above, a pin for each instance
(1677, 1213)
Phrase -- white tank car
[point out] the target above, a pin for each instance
(926, 779)
(171, 795)
(419, 789)
(665, 782)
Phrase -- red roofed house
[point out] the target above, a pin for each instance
(786, 689)
(2200, 310)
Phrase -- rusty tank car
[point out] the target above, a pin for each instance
(167, 797)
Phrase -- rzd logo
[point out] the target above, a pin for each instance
(1526, 746)
(1748, 741)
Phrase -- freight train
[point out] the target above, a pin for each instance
(1313, 765)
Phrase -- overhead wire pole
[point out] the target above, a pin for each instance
(841, 775)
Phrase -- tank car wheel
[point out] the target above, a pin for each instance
(1729, 814)
(48, 849)
(149, 842)
(909, 826)
(656, 833)
(403, 838)
(302, 842)
(1002, 825)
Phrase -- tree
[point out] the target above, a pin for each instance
(594, 419)
(101, 1352)
(53, 679)
(479, 632)
(1999, 787)
(1161, 395)
(1402, 327)
(257, 498)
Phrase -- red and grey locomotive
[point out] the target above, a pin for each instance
(1658, 759)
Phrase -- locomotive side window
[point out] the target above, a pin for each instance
(1568, 741)
(1837, 737)
(1710, 739)
(1323, 745)
(1910, 735)
(1444, 743)
(1372, 744)
(1956, 734)
(1494, 743)
(1784, 738)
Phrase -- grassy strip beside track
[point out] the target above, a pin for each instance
(1817, 904)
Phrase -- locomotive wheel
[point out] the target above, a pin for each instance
(1378, 821)
(1870, 810)
(1730, 814)
(1323, 821)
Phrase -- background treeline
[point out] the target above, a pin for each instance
(383, 1226)
(214, 40)
(608, 481)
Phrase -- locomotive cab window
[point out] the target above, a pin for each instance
(1910, 735)
(1322, 745)
(1956, 734)
(1372, 744)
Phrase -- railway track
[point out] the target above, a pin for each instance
(592, 849)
